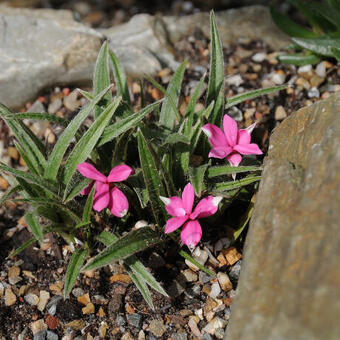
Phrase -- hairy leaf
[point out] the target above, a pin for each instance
(34, 225)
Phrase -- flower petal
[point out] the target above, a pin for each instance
(174, 223)
(220, 152)
(215, 135)
(243, 137)
(120, 173)
(250, 128)
(188, 197)
(89, 171)
(250, 149)
(206, 207)
(191, 233)
(119, 204)
(88, 189)
(174, 206)
(101, 198)
(230, 130)
(234, 159)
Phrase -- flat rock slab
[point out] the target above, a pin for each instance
(42, 47)
(290, 277)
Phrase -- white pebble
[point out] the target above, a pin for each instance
(314, 93)
(280, 113)
(215, 290)
(320, 70)
(235, 80)
(259, 57)
(305, 69)
(278, 78)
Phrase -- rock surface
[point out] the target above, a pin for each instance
(290, 277)
(42, 47)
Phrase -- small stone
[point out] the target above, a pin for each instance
(71, 102)
(235, 80)
(320, 70)
(57, 287)
(213, 325)
(100, 300)
(303, 83)
(280, 113)
(215, 290)
(278, 77)
(55, 106)
(179, 336)
(235, 113)
(232, 255)
(141, 335)
(3, 184)
(49, 136)
(88, 309)
(127, 336)
(13, 152)
(37, 106)
(316, 81)
(223, 243)
(124, 278)
(89, 273)
(259, 57)
(52, 305)
(115, 304)
(101, 312)
(306, 69)
(135, 320)
(13, 275)
(102, 329)
(222, 260)
(31, 299)
(219, 333)
(200, 256)
(209, 305)
(193, 326)
(157, 327)
(40, 335)
(176, 288)
(249, 113)
(272, 58)
(224, 281)
(75, 324)
(120, 320)
(10, 297)
(84, 299)
(206, 336)
(51, 336)
(52, 322)
(2, 290)
(77, 292)
(189, 275)
(313, 93)
(141, 224)
(38, 326)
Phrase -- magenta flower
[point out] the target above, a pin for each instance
(106, 193)
(181, 210)
(232, 143)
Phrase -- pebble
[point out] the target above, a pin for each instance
(193, 326)
(278, 77)
(259, 57)
(127, 336)
(77, 292)
(51, 336)
(40, 335)
(179, 336)
(124, 278)
(316, 81)
(52, 322)
(280, 114)
(224, 281)
(102, 329)
(157, 327)
(141, 335)
(235, 113)
(313, 93)
(88, 309)
(234, 273)
(100, 300)
(303, 83)
(31, 299)
(75, 324)
(84, 299)
(2, 290)
(176, 288)
(215, 323)
(52, 305)
(249, 113)
(209, 305)
(219, 333)
(55, 106)
(13, 275)
(305, 69)
(38, 326)
(71, 102)
(200, 256)
(189, 275)
(37, 107)
(120, 320)
(141, 224)
(206, 336)
(135, 320)
(10, 297)
(235, 80)
(215, 290)
(3, 183)
(320, 70)
(49, 136)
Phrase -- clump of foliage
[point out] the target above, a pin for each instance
(132, 166)
(320, 39)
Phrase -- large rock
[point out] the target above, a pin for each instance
(41, 48)
(290, 279)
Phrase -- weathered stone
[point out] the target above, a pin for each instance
(290, 278)
(157, 327)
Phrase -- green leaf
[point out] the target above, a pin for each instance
(288, 26)
(329, 13)
(216, 76)
(239, 98)
(88, 206)
(175, 138)
(335, 4)
(245, 219)
(336, 53)
(299, 59)
(42, 116)
(40, 182)
(193, 100)
(107, 238)
(86, 144)
(120, 78)
(124, 247)
(152, 179)
(321, 46)
(215, 171)
(188, 257)
(86, 94)
(26, 158)
(225, 186)
(35, 227)
(73, 270)
(75, 186)
(196, 176)
(23, 247)
(101, 78)
(8, 193)
(64, 140)
(168, 112)
(125, 124)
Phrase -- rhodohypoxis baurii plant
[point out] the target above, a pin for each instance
(181, 208)
(106, 193)
(232, 142)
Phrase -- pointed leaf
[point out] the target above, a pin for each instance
(245, 219)
(35, 227)
(196, 176)
(10, 191)
(225, 186)
(88, 206)
(321, 46)
(124, 247)
(215, 171)
(23, 247)
(188, 257)
(299, 59)
(336, 53)
(73, 270)
(42, 116)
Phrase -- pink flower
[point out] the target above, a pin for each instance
(107, 194)
(181, 209)
(232, 143)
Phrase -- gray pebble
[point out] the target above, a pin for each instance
(227, 313)
(51, 336)
(78, 292)
(234, 273)
(204, 278)
(37, 106)
(235, 113)
(179, 336)
(207, 336)
(219, 333)
(313, 93)
(120, 320)
(55, 106)
(40, 335)
(135, 320)
(52, 305)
